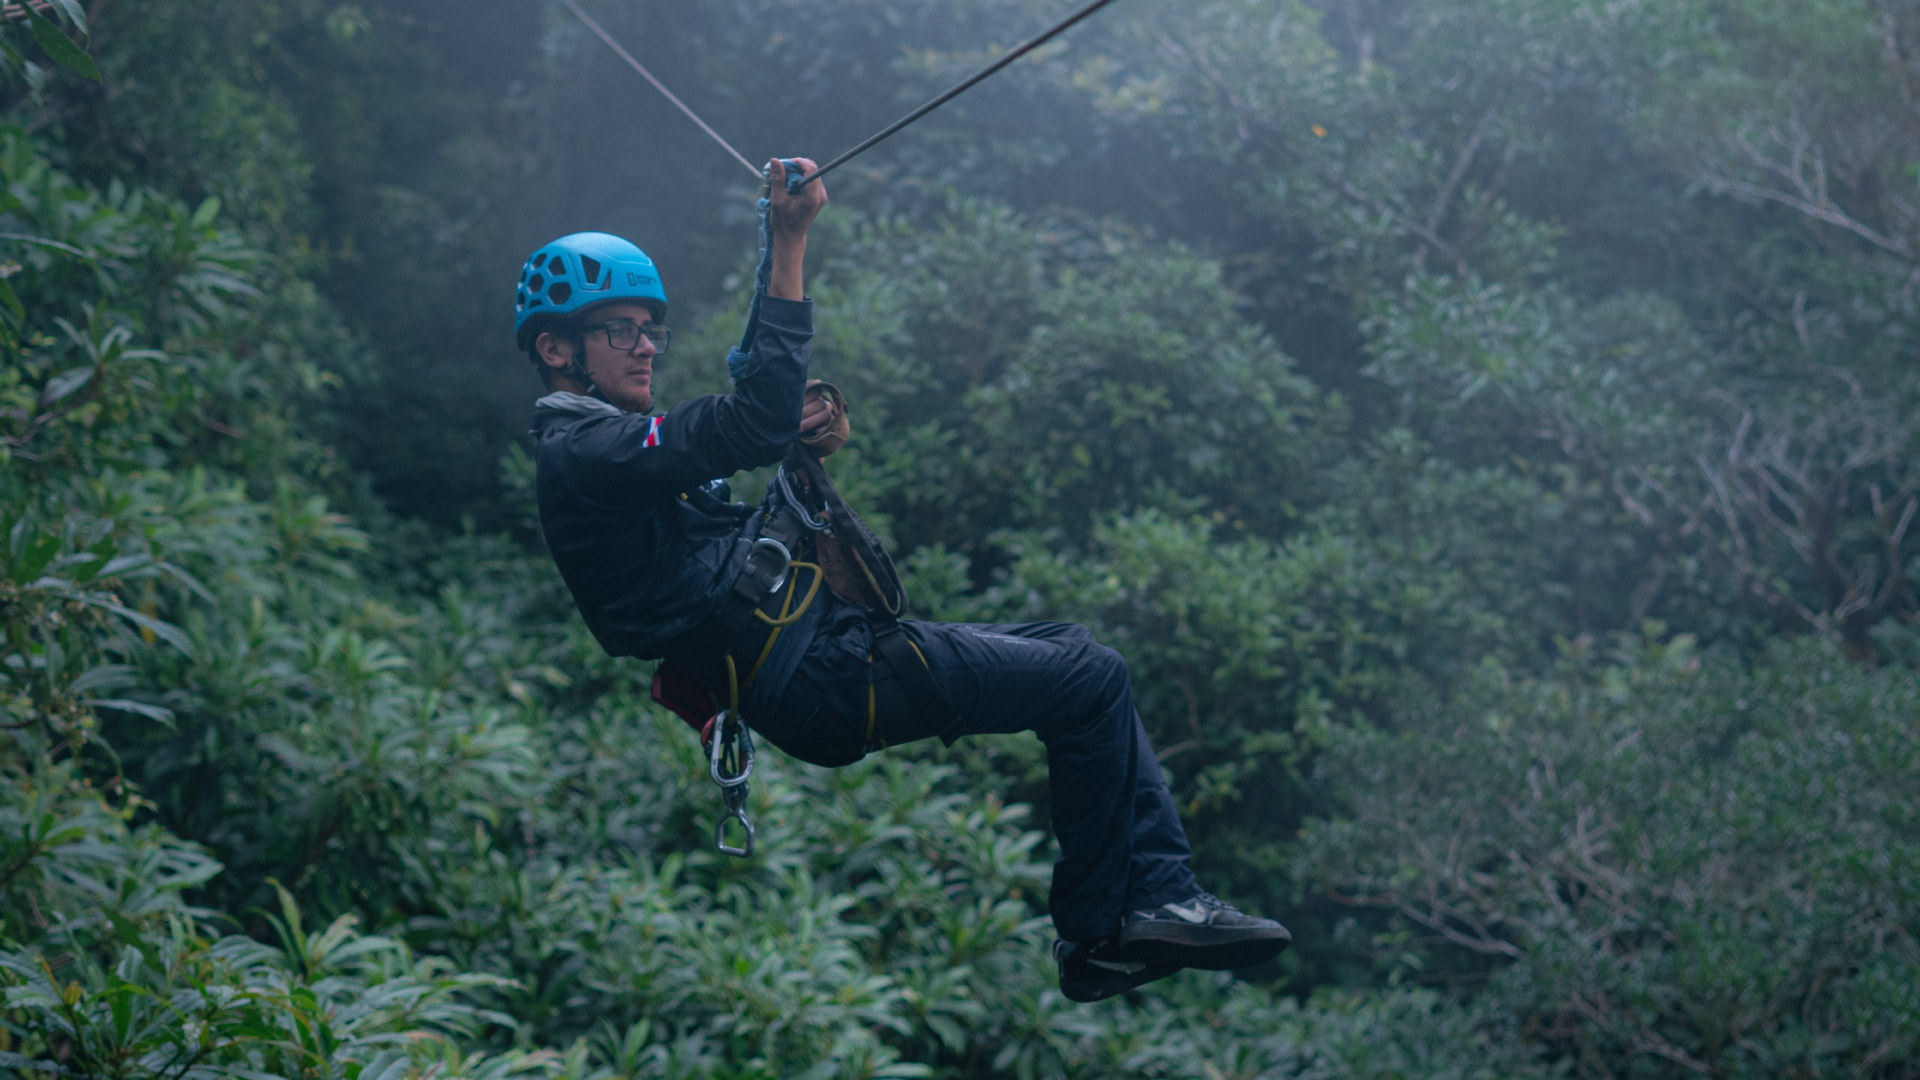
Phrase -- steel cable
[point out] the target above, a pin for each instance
(959, 88)
(660, 86)
(795, 183)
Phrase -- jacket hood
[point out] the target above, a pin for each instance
(564, 404)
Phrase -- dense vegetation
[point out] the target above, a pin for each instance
(1488, 427)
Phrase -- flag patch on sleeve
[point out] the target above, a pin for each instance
(653, 432)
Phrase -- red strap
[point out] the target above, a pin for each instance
(683, 695)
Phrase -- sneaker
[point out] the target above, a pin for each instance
(1090, 971)
(1201, 931)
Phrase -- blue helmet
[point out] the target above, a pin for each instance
(578, 271)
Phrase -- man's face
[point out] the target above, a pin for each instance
(625, 376)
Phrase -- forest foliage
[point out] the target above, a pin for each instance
(1487, 427)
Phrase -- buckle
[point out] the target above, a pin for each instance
(767, 567)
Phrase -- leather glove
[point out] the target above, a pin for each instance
(825, 441)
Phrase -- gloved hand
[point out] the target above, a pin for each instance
(823, 419)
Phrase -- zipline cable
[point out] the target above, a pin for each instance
(658, 85)
(794, 185)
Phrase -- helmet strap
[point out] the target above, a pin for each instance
(576, 369)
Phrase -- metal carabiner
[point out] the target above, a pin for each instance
(785, 486)
(725, 730)
(731, 738)
(737, 813)
(768, 561)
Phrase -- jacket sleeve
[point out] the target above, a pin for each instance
(706, 437)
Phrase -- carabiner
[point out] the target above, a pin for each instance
(785, 486)
(731, 740)
(728, 730)
(768, 561)
(733, 813)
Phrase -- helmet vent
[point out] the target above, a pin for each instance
(559, 293)
(590, 269)
(558, 267)
(536, 283)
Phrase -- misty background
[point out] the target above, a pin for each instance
(1487, 427)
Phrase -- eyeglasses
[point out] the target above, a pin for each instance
(625, 334)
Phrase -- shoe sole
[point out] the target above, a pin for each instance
(1159, 944)
(1090, 990)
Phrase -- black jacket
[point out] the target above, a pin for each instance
(646, 547)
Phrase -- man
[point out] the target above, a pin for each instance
(634, 508)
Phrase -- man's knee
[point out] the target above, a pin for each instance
(1101, 673)
(1075, 634)
(1107, 664)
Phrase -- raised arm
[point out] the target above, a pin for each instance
(789, 217)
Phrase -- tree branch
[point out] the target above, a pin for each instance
(1805, 172)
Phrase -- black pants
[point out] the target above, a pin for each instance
(1121, 843)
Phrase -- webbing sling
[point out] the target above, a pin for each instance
(741, 357)
(859, 570)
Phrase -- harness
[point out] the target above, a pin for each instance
(803, 528)
(803, 514)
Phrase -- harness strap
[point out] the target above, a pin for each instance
(915, 680)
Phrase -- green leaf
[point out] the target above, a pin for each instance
(204, 214)
(11, 300)
(41, 241)
(64, 384)
(121, 565)
(60, 46)
(81, 567)
(40, 551)
(20, 1061)
(192, 583)
(165, 631)
(11, 53)
(74, 12)
(155, 713)
(102, 677)
(120, 1004)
